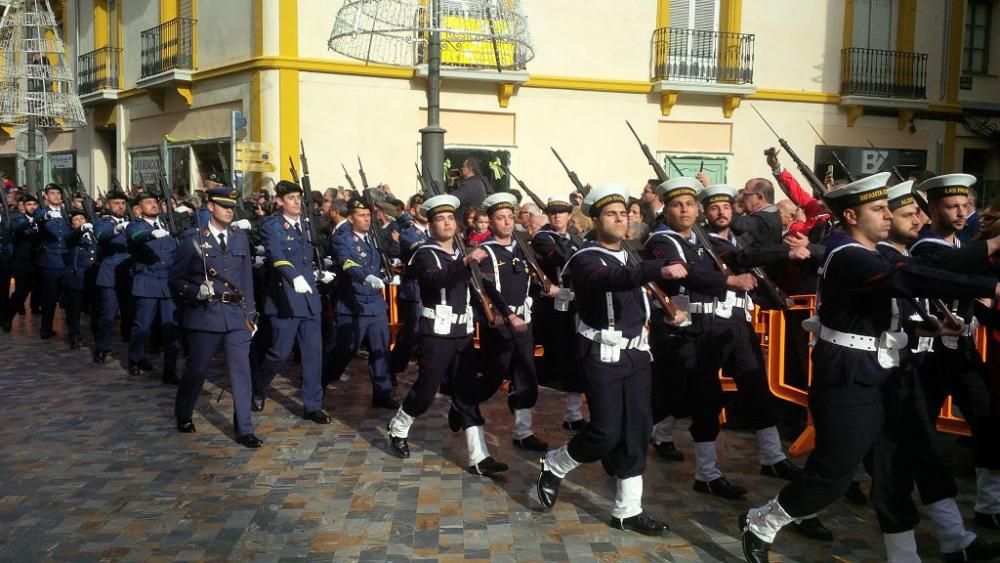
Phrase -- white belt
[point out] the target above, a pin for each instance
(455, 319)
(709, 308)
(640, 342)
(519, 311)
(848, 340)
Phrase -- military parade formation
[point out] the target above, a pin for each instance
(634, 330)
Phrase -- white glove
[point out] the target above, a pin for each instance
(327, 263)
(258, 249)
(394, 281)
(53, 214)
(373, 282)
(182, 209)
(205, 291)
(300, 285)
(324, 276)
(120, 227)
(87, 227)
(242, 224)
(159, 233)
(258, 261)
(395, 262)
(566, 294)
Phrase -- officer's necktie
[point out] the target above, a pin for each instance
(156, 225)
(298, 228)
(222, 241)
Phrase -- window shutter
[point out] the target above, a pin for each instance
(680, 13)
(706, 15)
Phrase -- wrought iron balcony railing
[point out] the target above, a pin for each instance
(691, 55)
(98, 70)
(169, 46)
(883, 74)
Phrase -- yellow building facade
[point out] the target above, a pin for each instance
(179, 81)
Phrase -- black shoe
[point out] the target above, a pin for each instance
(978, 550)
(100, 356)
(813, 529)
(488, 467)
(144, 365)
(784, 469)
(133, 369)
(249, 441)
(547, 488)
(398, 445)
(855, 495)
(668, 451)
(47, 335)
(454, 421)
(385, 402)
(754, 549)
(170, 378)
(531, 443)
(186, 427)
(987, 520)
(74, 344)
(257, 402)
(720, 487)
(642, 524)
(319, 417)
(575, 426)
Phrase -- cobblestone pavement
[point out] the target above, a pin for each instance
(93, 469)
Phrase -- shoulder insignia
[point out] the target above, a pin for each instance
(287, 226)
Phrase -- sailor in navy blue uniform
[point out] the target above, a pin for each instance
(6, 257)
(554, 318)
(687, 382)
(905, 453)
(968, 383)
(152, 249)
(24, 228)
(446, 328)
(613, 345)
(114, 275)
(78, 277)
(855, 353)
(212, 278)
(53, 228)
(412, 234)
(361, 307)
(292, 303)
(509, 347)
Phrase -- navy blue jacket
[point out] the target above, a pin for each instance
(152, 258)
(357, 258)
(114, 268)
(289, 254)
(80, 260)
(410, 239)
(52, 249)
(229, 272)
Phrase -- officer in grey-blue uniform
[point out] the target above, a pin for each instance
(53, 228)
(78, 277)
(292, 303)
(212, 277)
(24, 229)
(114, 275)
(412, 234)
(152, 250)
(361, 308)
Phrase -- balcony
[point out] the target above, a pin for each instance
(168, 53)
(99, 76)
(882, 79)
(702, 62)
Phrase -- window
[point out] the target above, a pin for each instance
(702, 15)
(875, 24)
(976, 51)
(690, 165)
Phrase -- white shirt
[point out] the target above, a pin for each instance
(216, 232)
(293, 222)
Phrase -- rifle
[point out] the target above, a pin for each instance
(833, 153)
(524, 187)
(225, 170)
(529, 253)
(572, 175)
(88, 202)
(350, 180)
(779, 296)
(424, 188)
(306, 212)
(949, 319)
(361, 172)
(670, 309)
(477, 275)
(168, 203)
(804, 169)
(895, 169)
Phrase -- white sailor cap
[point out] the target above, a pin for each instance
(557, 204)
(947, 185)
(716, 194)
(675, 187)
(901, 195)
(440, 204)
(601, 196)
(498, 201)
(858, 192)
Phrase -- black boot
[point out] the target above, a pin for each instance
(547, 488)
(642, 524)
(754, 549)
